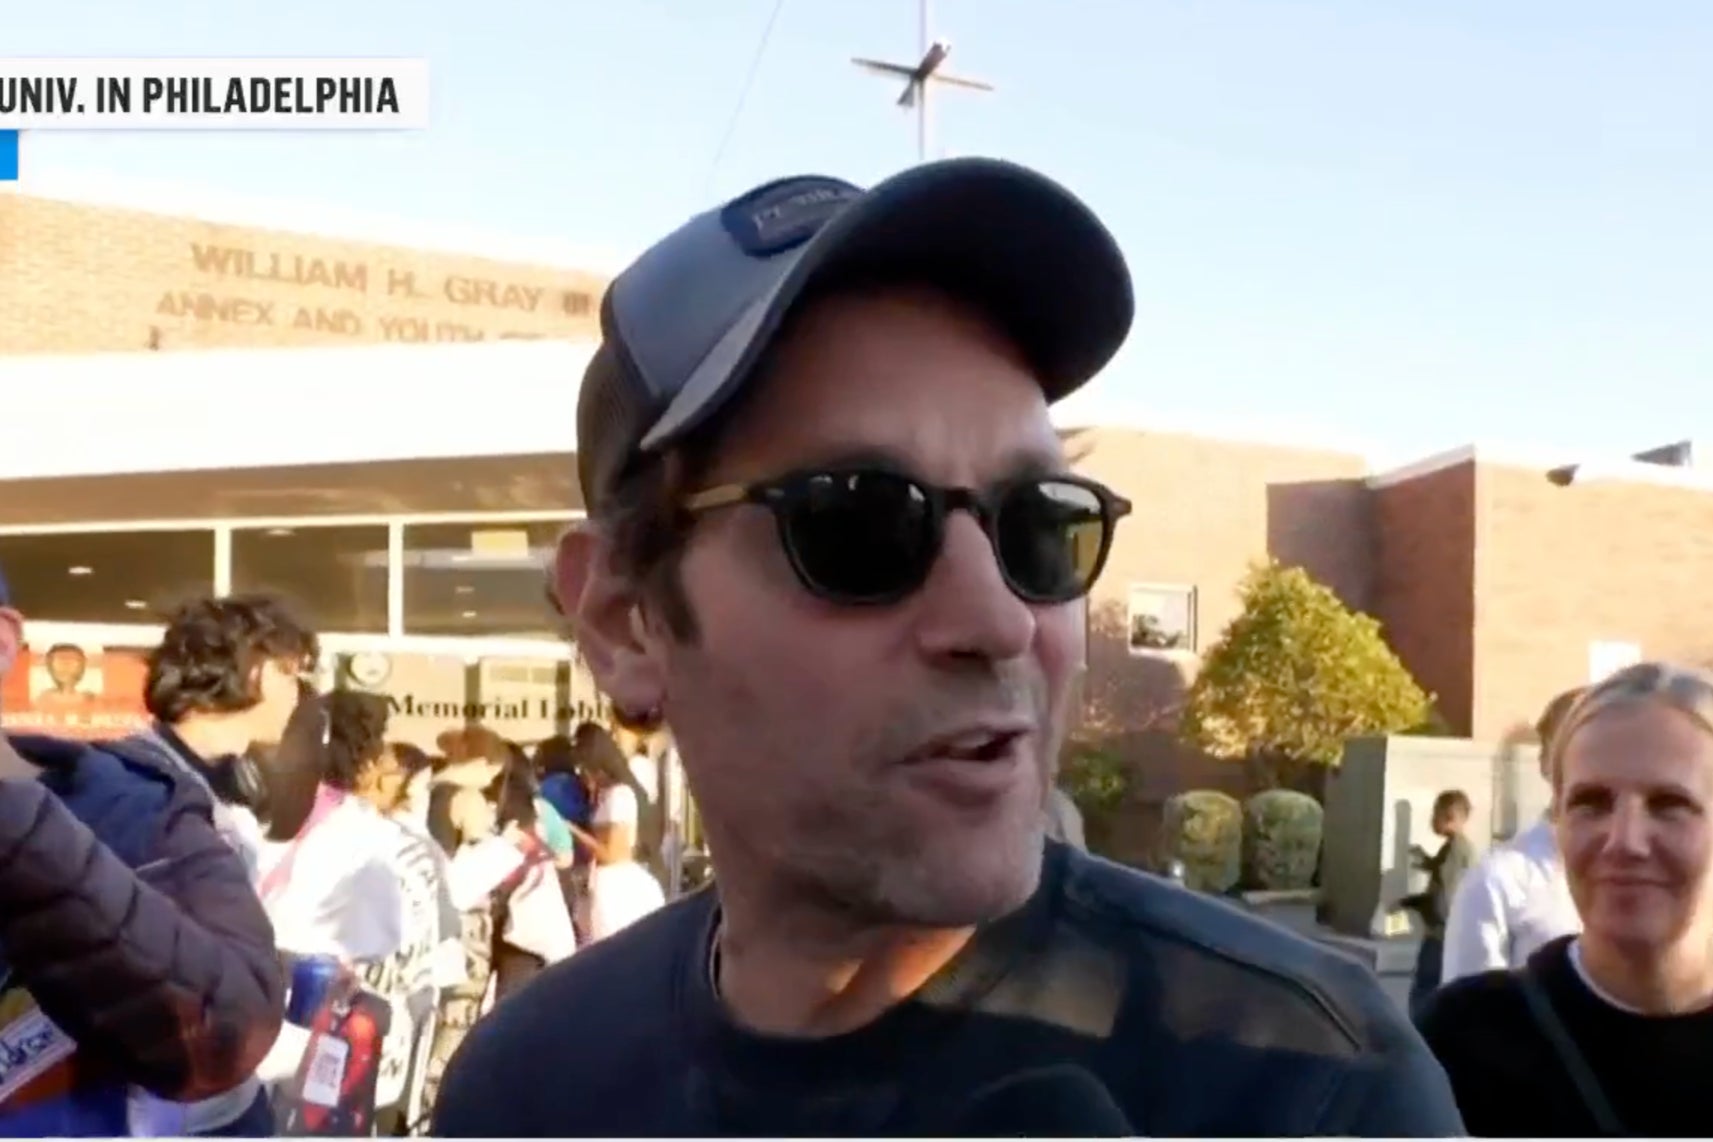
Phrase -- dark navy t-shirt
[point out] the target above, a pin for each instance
(1198, 1019)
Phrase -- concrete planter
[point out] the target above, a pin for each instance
(1379, 804)
(1295, 910)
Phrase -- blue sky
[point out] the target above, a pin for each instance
(1406, 224)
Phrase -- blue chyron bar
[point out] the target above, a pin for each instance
(8, 156)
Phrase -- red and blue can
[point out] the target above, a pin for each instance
(312, 981)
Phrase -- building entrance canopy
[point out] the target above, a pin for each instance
(229, 410)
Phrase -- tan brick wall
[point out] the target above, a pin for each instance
(1560, 567)
(1489, 580)
(1205, 509)
(76, 278)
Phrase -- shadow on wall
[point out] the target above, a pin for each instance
(1518, 752)
(1130, 705)
(1400, 872)
(1325, 527)
(1125, 693)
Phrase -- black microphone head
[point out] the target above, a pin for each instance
(1049, 1102)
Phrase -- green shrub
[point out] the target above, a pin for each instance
(1281, 840)
(1204, 830)
(1095, 779)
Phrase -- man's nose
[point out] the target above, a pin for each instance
(966, 609)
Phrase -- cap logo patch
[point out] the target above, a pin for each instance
(782, 215)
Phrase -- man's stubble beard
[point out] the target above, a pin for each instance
(864, 858)
(843, 850)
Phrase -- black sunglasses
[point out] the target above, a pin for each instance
(869, 536)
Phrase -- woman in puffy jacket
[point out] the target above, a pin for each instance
(128, 922)
(134, 952)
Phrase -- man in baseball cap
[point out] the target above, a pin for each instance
(834, 542)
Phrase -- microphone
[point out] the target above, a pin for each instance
(1049, 1102)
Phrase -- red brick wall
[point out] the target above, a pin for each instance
(1424, 583)
(76, 279)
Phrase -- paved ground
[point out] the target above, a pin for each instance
(1394, 961)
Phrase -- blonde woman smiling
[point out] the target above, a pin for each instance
(1608, 1032)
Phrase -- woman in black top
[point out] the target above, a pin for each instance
(1609, 1032)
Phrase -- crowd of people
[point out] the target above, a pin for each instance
(439, 884)
(834, 543)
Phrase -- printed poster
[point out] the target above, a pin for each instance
(37, 1071)
(75, 690)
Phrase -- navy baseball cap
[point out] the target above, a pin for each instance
(683, 326)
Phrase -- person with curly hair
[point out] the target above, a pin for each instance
(226, 677)
(128, 921)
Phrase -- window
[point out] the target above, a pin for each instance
(337, 574)
(480, 578)
(107, 576)
(1162, 618)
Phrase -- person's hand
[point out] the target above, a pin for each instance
(345, 986)
(526, 843)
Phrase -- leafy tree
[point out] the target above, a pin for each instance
(1295, 676)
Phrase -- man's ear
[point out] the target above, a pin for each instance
(601, 606)
(11, 638)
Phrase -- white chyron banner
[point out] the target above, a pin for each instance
(213, 94)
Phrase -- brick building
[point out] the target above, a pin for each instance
(79, 276)
(414, 521)
(1500, 578)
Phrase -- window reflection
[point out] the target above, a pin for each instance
(106, 576)
(337, 574)
(479, 578)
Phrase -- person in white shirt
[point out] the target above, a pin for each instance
(622, 890)
(1516, 898)
(344, 886)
